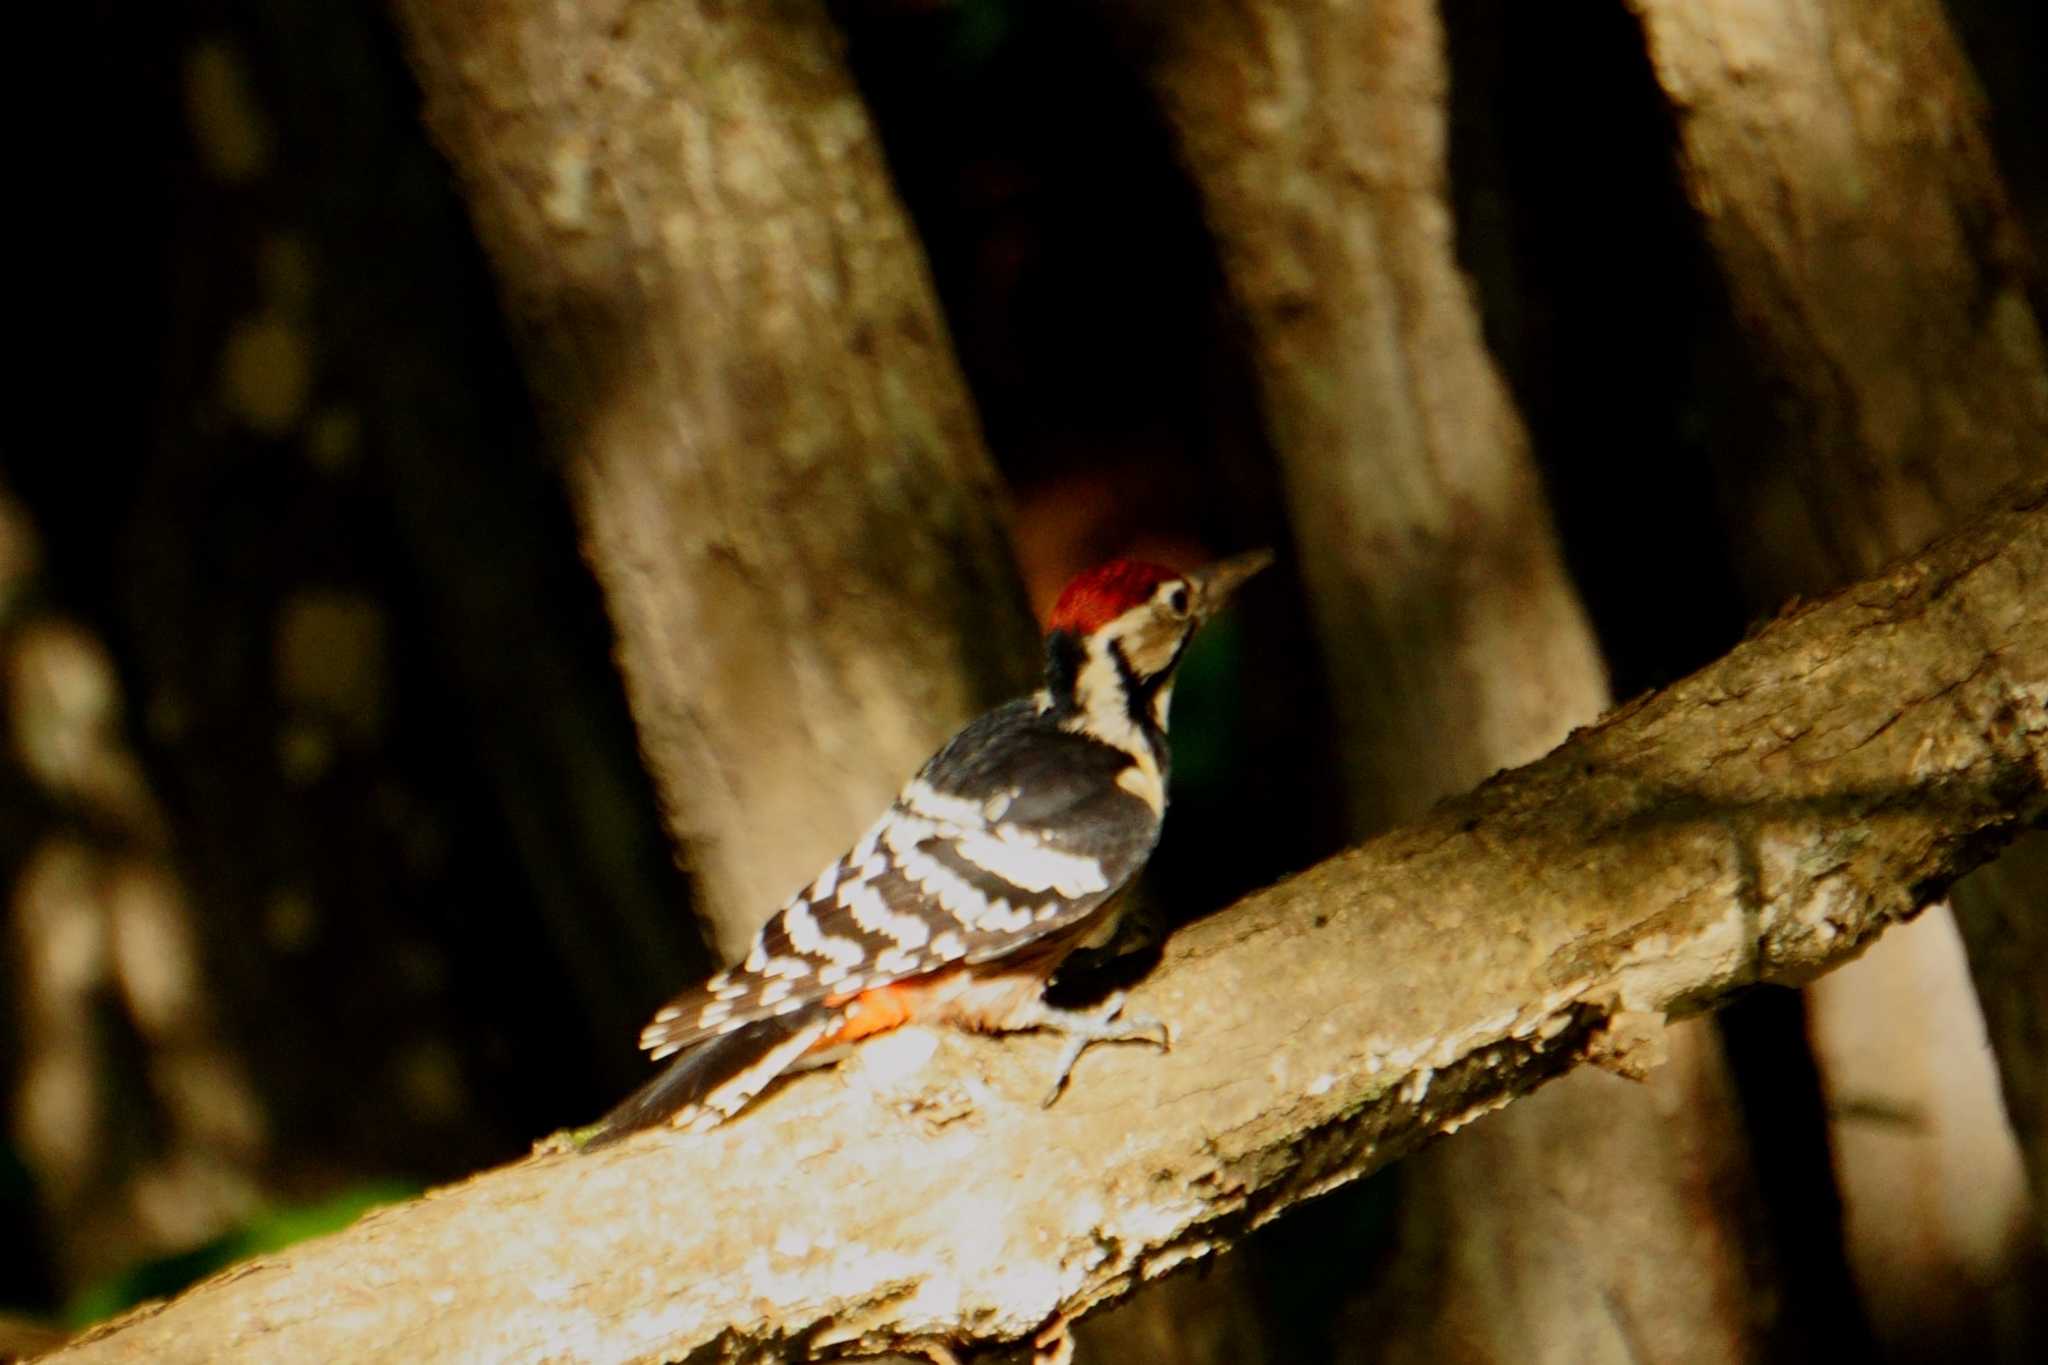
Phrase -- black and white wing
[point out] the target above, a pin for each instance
(1013, 832)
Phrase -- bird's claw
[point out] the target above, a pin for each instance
(1106, 1023)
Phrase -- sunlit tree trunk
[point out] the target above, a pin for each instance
(1456, 645)
(739, 360)
(1837, 152)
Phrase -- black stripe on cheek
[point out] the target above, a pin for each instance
(1063, 655)
(1138, 693)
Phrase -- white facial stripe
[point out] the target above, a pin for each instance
(1150, 637)
(1099, 690)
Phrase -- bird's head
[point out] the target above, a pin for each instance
(1126, 624)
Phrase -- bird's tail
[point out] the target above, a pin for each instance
(709, 1083)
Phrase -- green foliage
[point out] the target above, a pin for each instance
(1207, 746)
(975, 29)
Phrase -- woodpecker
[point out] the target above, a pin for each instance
(1002, 855)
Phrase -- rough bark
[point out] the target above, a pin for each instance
(1838, 153)
(1455, 641)
(739, 359)
(1759, 821)
(1546, 1263)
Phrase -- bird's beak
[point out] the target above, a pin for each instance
(1214, 585)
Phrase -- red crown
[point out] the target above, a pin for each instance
(1097, 597)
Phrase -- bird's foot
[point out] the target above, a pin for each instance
(1105, 1023)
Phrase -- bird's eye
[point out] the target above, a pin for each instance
(1177, 600)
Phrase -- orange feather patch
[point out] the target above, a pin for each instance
(869, 1013)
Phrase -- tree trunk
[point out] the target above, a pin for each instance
(1424, 537)
(1529, 1244)
(738, 357)
(1456, 643)
(1837, 152)
(2007, 937)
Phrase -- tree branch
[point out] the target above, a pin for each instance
(1759, 821)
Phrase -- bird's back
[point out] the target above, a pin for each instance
(1017, 830)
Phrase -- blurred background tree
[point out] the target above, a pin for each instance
(787, 354)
